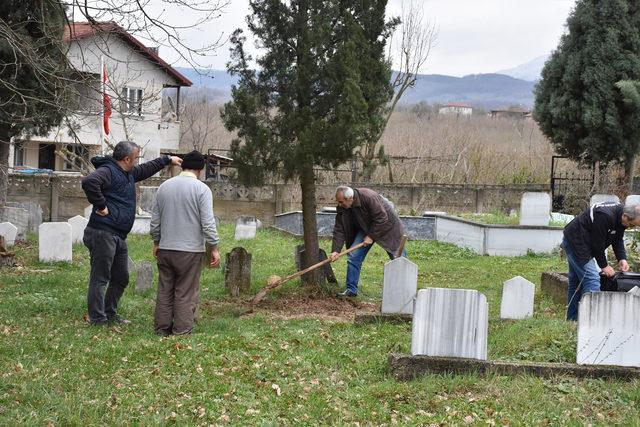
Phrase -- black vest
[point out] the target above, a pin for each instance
(121, 202)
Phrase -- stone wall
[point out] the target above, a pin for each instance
(61, 197)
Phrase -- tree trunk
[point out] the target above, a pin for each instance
(309, 223)
(629, 171)
(4, 171)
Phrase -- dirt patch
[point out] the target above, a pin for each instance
(298, 307)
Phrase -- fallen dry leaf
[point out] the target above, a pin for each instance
(276, 387)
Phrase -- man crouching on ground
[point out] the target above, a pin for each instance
(111, 189)
(181, 221)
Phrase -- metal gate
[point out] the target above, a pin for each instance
(571, 184)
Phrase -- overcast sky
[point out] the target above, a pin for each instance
(474, 36)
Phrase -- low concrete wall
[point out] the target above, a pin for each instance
(460, 232)
(61, 196)
(416, 227)
(503, 240)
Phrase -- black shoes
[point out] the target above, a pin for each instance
(347, 294)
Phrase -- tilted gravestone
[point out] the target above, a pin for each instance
(600, 198)
(9, 231)
(246, 228)
(19, 217)
(517, 298)
(237, 271)
(78, 224)
(35, 213)
(131, 265)
(147, 198)
(399, 286)
(326, 272)
(144, 276)
(608, 325)
(55, 242)
(535, 208)
(450, 323)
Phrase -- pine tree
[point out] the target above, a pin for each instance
(32, 69)
(578, 105)
(318, 87)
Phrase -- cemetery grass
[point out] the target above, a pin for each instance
(262, 369)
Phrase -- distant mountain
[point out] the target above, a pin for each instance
(529, 71)
(479, 90)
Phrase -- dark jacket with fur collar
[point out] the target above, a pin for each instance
(372, 214)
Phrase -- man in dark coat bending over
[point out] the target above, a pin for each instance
(587, 237)
(111, 189)
(363, 216)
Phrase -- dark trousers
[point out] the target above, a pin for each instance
(109, 273)
(178, 291)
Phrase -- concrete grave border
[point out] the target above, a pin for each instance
(405, 367)
(484, 239)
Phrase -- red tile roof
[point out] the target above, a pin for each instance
(82, 30)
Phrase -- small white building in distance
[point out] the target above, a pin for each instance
(456, 108)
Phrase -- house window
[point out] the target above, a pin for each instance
(131, 100)
(19, 154)
(74, 157)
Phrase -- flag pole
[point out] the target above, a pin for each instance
(102, 88)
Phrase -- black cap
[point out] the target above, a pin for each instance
(193, 160)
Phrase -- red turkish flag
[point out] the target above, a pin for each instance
(106, 101)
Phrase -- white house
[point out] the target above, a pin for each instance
(144, 92)
(456, 108)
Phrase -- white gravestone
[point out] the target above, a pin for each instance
(9, 231)
(600, 198)
(246, 228)
(55, 242)
(141, 225)
(78, 224)
(635, 291)
(608, 325)
(399, 286)
(517, 298)
(87, 211)
(632, 199)
(535, 208)
(450, 323)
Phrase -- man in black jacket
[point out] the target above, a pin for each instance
(111, 190)
(587, 237)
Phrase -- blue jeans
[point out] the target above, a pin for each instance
(582, 278)
(355, 260)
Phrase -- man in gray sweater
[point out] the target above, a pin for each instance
(181, 221)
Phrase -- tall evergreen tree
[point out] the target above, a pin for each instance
(578, 105)
(32, 69)
(314, 94)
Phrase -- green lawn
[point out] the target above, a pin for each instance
(263, 369)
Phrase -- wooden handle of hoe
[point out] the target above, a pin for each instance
(403, 241)
(260, 295)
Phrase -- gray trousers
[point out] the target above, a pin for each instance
(178, 291)
(109, 274)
